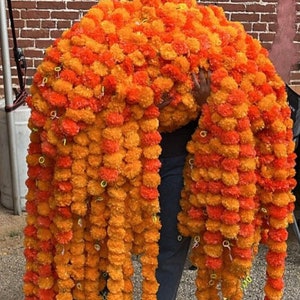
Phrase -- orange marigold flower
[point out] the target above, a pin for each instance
(230, 217)
(214, 263)
(195, 213)
(245, 253)
(215, 212)
(64, 162)
(276, 259)
(230, 137)
(148, 193)
(114, 119)
(69, 127)
(108, 174)
(212, 237)
(64, 237)
(225, 110)
(150, 138)
(37, 119)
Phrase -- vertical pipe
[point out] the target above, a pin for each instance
(9, 116)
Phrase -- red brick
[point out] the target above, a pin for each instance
(81, 5)
(51, 5)
(35, 14)
(35, 33)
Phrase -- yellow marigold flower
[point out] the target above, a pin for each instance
(229, 231)
(277, 223)
(278, 126)
(248, 190)
(44, 258)
(108, 27)
(46, 282)
(62, 271)
(79, 152)
(241, 110)
(133, 155)
(30, 219)
(228, 84)
(65, 285)
(247, 215)
(137, 57)
(52, 137)
(46, 67)
(94, 160)
(113, 133)
(163, 83)
(213, 225)
(212, 199)
(83, 91)
(87, 24)
(246, 84)
(43, 185)
(44, 234)
(62, 199)
(280, 150)
(94, 187)
(193, 44)
(158, 25)
(228, 124)
(267, 102)
(78, 40)
(100, 68)
(230, 178)
(241, 58)
(151, 179)
(215, 117)
(260, 78)
(147, 97)
(38, 102)
(95, 12)
(79, 194)
(219, 97)
(182, 63)
(114, 160)
(117, 53)
(231, 203)
(213, 250)
(214, 174)
(275, 272)
(93, 173)
(132, 169)
(246, 137)
(72, 63)
(245, 242)
(188, 100)
(167, 52)
(149, 125)
(63, 45)
(63, 223)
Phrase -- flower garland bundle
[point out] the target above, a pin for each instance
(239, 175)
(93, 162)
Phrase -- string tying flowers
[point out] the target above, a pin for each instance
(93, 158)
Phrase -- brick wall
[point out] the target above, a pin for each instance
(38, 23)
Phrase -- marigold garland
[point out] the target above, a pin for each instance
(93, 162)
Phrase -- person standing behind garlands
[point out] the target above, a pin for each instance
(173, 248)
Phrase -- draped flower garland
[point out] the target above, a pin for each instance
(93, 158)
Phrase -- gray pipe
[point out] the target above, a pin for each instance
(9, 116)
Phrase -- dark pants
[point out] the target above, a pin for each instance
(173, 247)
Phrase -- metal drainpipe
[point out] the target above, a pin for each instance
(9, 116)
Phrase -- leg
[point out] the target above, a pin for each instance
(173, 247)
